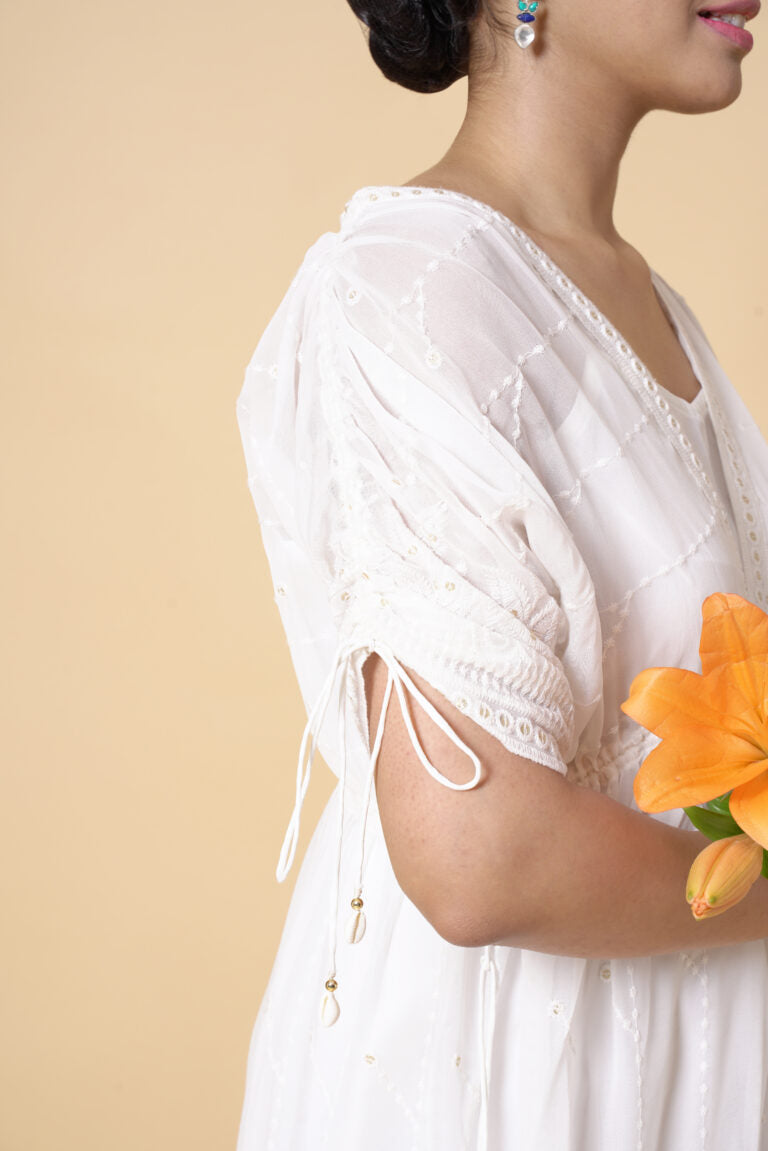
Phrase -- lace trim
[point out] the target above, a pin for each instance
(619, 755)
(746, 518)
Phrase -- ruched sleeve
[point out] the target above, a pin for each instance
(400, 514)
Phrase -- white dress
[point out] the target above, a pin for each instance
(458, 463)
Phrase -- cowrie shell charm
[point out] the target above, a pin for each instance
(329, 1008)
(356, 923)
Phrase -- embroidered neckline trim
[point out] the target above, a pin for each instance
(652, 395)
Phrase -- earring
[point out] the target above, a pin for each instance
(525, 35)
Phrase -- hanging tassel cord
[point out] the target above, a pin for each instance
(307, 752)
(488, 987)
(371, 776)
(398, 679)
(335, 895)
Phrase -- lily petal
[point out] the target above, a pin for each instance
(749, 807)
(733, 630)
(698, 765)
(750, 678)
(664, 699)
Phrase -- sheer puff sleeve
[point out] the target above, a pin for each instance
(399, 518)
(396, 515)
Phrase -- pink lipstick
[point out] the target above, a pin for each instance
(741, 11)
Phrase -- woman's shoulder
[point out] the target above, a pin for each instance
(407, 245)
(450, 226)
(425, 214)
(429, 276)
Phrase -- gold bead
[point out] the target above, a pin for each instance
(331, 985)
(357, 903)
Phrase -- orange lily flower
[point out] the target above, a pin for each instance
(714, 725)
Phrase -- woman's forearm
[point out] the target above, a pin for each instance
(615, 886)
(529, 859)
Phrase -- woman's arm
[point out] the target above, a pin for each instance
(528, 859)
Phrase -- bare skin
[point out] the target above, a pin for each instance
(546, 128)
(528, 859)
(610, 273)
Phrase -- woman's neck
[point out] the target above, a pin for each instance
(547, 152)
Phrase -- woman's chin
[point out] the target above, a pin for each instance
(711, 91)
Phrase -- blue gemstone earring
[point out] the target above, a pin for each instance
(525, 35)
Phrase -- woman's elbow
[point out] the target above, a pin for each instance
(465, 917)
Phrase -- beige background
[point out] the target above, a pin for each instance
(166, 165)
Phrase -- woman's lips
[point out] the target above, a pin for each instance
(739, 36)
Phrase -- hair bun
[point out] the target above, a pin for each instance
(421, 44)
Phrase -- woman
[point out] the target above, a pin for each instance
(498, 468)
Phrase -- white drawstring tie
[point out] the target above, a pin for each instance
(304, 768)
(399, 679)
(489, 974)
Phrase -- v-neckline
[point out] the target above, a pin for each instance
(651, 396)
(658, 401)
(557, 278)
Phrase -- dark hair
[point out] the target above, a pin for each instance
(421, 44)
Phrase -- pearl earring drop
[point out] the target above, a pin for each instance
(525, 35)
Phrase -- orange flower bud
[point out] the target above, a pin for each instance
(722, 874)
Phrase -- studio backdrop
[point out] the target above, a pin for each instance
(165, 167)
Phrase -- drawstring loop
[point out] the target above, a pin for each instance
(401, 680)
(397, 677)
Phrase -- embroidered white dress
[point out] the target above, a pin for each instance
(458, 463)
